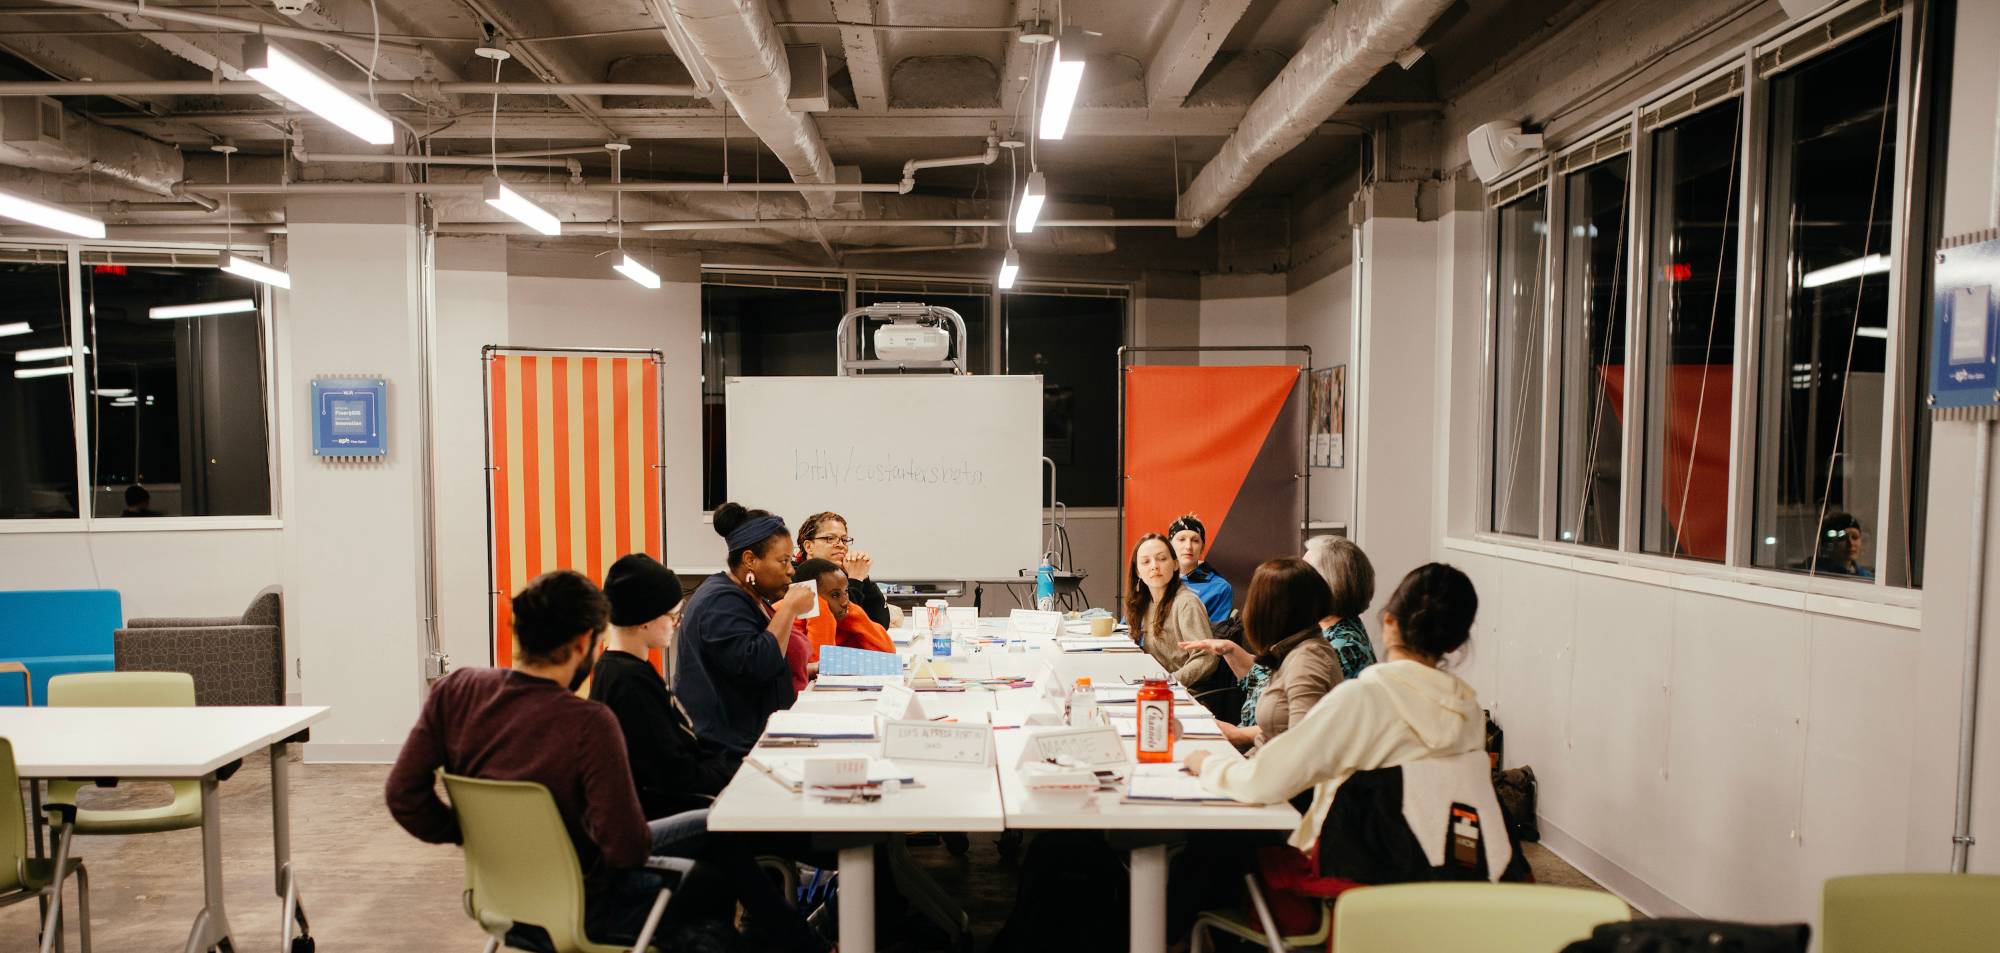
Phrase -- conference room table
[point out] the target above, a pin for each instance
(174, 744)
(951, 797)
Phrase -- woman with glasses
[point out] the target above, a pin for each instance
(824, 536)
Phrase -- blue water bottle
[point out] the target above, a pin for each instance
(1045, 586)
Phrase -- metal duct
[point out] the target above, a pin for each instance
(1348, 46)
(741, 46)
(85, 147)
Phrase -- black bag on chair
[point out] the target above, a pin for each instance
(1694, 936)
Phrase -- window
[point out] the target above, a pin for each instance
(1825, 320)
(1072, 340)
(175, 371)
(1591, 456)
(1522, 247)
(1691, 345)
(759, 326)
(37, 428)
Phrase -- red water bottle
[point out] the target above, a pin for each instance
(1156, 719)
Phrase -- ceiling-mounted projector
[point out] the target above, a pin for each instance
(907, 339)
(1500, 147)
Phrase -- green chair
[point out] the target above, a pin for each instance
(520, 866)
(25, 878)
(1935, 913)
(128, 690)
(1452, 917)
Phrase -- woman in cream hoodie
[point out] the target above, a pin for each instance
(1402, 710)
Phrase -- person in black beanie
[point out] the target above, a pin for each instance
(676, 778)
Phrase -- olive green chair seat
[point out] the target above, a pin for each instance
(26, 878)
(1891, 913)
(128, 690)
(1454, 917)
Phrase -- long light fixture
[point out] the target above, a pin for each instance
(1880, 334)
(44, 354)
(1010, 268)
(631, 268)
(1855, 268)
(252, 269)
(52, 370)
(24, 209)
(18, 327)
(1032, 198)
(113, 392)
(302, 84)
(202, 309)
(1065, 78)
(517, 205)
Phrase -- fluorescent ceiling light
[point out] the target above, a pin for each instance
(1871, 265)
(18, 327)
(126, 402)
(1030, 207)
(254, 270)
(44, 354)
(21, 208)
(49, 371)
(1065, 78)
(1010, 267)
(304, 85)
(202, 309)
(637, 272)
(113, 392)
(1881, 333)
(517, 205)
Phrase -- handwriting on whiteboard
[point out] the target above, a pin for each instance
(882, 469)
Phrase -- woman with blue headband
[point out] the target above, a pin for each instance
(1190, 541)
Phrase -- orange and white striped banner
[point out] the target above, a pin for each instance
(575, 473)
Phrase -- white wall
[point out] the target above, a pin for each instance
(1239, 311)
(470, 313)
(1320, 316)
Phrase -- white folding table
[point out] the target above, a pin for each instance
(172, 744)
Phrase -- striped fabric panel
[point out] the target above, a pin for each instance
(576, 470)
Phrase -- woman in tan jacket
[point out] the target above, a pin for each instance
(1165, 614)
(1281, 631)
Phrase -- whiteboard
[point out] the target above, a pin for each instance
(939, 477)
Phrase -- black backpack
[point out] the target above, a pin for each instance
(1694, 936)
(1073, 886)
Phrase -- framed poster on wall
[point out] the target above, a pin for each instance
(1327, 417)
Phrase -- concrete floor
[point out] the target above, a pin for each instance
(368, 885)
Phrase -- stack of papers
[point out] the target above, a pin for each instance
(822, 727)
(1192, 726)
(1168, 783)
(854, 683)
(1109, 643)
(1129, 694)
(790, 770)
(840, 660)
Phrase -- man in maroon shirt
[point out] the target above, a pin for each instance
(528, 724)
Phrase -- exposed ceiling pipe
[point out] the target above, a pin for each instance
(1348, 46)
(739, 43)
(418, 87)
(87, 148)
(984, 158)
(304, 155)
(182, 15)
(695, 226)
(413, 188)
(535, 153)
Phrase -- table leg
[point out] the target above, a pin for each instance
(294, 909)
(1149, 899)
(857, 899)
(211, 926)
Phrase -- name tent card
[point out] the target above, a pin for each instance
(836, 772)
(1034, 622)
(1082, 745)
(899, 703)
(964, 620)
(932, 741)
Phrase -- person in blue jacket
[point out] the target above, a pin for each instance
(1190, 539)
(730, 666)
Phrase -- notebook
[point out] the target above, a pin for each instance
(790, 770)
(841, 660)
(1167, 783)
(1105, 644)
(799, 724)
(854, 683)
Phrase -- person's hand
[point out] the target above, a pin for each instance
(1193, 762)
(1221, 647)
(799, 598)
(858, 564)
(1239, 736)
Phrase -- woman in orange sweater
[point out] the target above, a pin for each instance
(841, 621)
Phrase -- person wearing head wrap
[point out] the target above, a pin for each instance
(1190, 541)
(733, 661)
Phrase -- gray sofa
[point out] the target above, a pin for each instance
(234, 660)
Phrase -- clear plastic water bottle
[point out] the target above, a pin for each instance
(938, 620)
(1082, 704)
(1045, 586)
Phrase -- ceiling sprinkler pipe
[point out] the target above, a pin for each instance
(446, 188)
(481, 161)
(180, 15)
(246, 87)
(988, 157)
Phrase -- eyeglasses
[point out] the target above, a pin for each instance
(842, 540)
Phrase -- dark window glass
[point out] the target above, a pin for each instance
(37, 432)
(1592, 405)
(1517, 364)
(756, 332)
(1073, 343)
(1691, 344)
(177, 403)
(1826, 317)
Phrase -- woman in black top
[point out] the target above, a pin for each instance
(824, 536)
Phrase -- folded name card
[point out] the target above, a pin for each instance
(1034, 622)
(1099, 745)
(836, 772)
(933, 741)
(899, 703)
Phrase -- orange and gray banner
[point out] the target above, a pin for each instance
(575, 469)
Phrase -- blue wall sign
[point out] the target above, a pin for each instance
(349, 414)
(1965, 332)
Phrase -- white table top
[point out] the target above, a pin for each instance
(145, 742)
(1106, 810)
(947, 797)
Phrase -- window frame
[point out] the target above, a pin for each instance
(1537, 176)
(1751, 65)
(86, 521)
(1626, 127)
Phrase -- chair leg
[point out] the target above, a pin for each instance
(652, 921)
(52, 923)
(83, 905)
(1276, 942)
(492, 944)
(1198, 938)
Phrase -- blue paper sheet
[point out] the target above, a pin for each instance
(840, 660)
